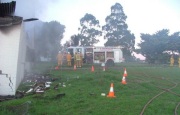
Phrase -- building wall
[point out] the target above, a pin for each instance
(11, 58)
(21, 57)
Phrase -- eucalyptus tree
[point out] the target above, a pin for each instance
(116, 30)
(89, 30)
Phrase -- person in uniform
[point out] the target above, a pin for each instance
(172, 61)
(75, 61)
(81, 59)
(68, 58)
(78, 59)
(59, 59)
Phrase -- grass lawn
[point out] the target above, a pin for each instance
(83, 92)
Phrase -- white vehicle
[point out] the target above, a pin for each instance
(107, 55)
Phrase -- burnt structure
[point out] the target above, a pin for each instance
(7, 8)
(7, 17)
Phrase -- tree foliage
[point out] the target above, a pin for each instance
(156, 47)
(89, 30)
(75, 40)
(116, 30)
(48, 37)
(173, 44)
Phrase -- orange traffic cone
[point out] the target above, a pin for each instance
(111, 92)
(124, 80)
(92, 69)
(125, 72)
(74, 66)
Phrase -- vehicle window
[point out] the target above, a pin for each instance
(110, 55)
(79, 50)
(99, 56)
(71, 51)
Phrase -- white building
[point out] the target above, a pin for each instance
(12, 58)
(13, 46)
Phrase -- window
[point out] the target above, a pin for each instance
(78, 49)
(89, 49)
(99, 56)
(71, 52)
(110, 55)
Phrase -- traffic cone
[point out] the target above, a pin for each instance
(111, 92)
(123, 80)
(125, 72)
(74, 66)
(92, 68)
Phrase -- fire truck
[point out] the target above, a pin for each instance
(106, 55)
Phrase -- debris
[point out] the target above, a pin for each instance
(54, 79)
(19, 94)
(48, 82)
(30, 90)
(64, 85)
(47, 86)
(103, 94)
(38, 91)
(92, 94)
(56, 86)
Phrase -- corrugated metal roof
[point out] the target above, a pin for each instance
(7, 9)
(6, 14)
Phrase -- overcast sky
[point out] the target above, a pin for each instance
(143, 16)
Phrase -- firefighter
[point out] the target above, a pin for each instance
(172, 61)
(75, 61)
(78, 59)
(81, 59)
(68, 58)
(59, 58)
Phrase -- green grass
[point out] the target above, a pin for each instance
(143, 81)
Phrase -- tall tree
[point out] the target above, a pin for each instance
(153, 46)
(116, 30)
(75, 40)
(174, 43)
(89, 30)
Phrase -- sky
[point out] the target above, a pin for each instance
(143, 16)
